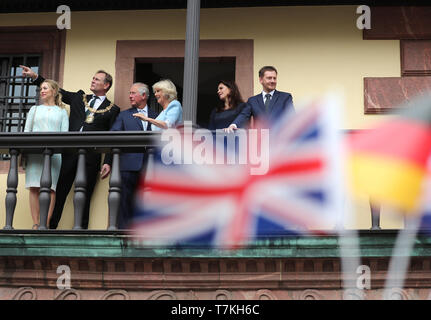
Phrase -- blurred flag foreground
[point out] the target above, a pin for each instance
(389, 163)
(425, 209)
(226, 206)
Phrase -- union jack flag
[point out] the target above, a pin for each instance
(224, 205)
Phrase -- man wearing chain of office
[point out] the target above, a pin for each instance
(91, 112)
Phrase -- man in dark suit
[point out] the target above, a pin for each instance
(267, 106)
(93, 112)
(131, 164)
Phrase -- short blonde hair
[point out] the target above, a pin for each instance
(168, 88)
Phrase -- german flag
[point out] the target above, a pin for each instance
(388, 163)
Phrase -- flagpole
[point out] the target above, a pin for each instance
(347, 238)
(400, 260)
(350, 259)
(405, 240)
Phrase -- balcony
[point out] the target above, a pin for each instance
(82, 143)
(112, 264)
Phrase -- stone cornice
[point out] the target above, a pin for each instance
(119, 245)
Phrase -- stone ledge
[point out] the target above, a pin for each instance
(120, 245)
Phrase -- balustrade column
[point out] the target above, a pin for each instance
(114, 196)
(80, 189)
(45, 189)
(149, 170)
(11, 191)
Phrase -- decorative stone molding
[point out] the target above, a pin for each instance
(397, 294)
(311, 295)
(265, 295)
(25, 293)
(115, 295)
(222, 295)
(163, 295)
(68, 294)
(191, 295)
(354, 294)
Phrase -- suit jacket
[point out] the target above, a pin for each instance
(127, 122)
(102, 121)
(280, 102)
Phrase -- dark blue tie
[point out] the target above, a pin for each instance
(267, 102)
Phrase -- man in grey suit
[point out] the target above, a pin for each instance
(267, 106)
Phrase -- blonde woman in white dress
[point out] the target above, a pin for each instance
(49, 116)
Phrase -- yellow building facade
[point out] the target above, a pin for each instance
(316, 49)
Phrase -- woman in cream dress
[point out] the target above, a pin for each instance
(50, 116)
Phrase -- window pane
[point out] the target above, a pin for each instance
(17, 95)
(4, 61)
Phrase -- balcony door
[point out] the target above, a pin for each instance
(150, 60)
(211, 71)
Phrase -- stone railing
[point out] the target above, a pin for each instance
(71, 142)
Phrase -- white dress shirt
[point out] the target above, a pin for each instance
(265, 93)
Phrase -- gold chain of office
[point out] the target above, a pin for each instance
(90, 117)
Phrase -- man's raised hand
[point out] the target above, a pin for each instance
(27, 72)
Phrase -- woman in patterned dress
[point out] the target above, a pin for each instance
(50, 116)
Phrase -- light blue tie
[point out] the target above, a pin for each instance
(143, 112)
